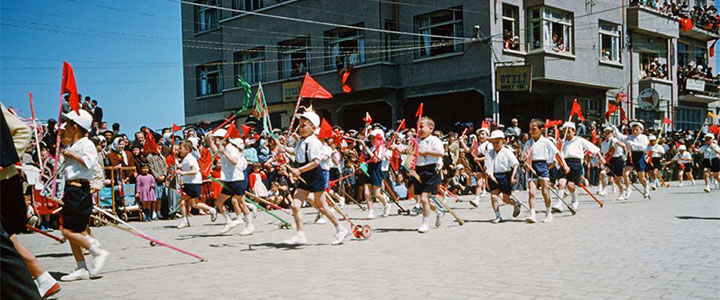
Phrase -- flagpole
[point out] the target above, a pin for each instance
(35, 130)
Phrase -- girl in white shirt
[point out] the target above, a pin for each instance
(684, 161)
(192, 182)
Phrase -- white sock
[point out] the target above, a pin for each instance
(226, 215)
(573, 196)
(497, 214)
(548, 211)
(532, 212)
(425, 221)
(339, 228)
(248, 220)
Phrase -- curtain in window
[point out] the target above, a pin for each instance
(361, 50)
(286, 65)
(547, 35)
(426, 41)
(335, 53)
(567, 38)
(203, 84)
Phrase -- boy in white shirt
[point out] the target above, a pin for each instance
(711, 162)
(308, 154)
(542, 153)
(191, 184)
(684, 161)
(501, 165)
(638, 143)
(614, 153)
(656, 152)
(81, 156)
(232, 176)
(573, 149)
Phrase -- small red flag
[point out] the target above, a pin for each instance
(419, 112)
(577, 110)
(714, 129)
(69, 86)
(326, 131)
(485, 125)
(232, 132)
(594, 136)
(367, 118)
(344, 80)
(150, 145)
(712, 49)
(312, 89)
(176, 128)
(686, 24)
(245, 129)
(402, 125)
(667, 121)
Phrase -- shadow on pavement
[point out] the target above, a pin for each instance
(381, 230)
(278, 246)
(698, 218)
(55, 255)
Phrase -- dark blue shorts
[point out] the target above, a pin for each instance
(542, 170)
(314, 180)
(429, 177)
(576, 170)
(654, 165)
(376, 174)
(503, 183)
(638, 161)
(326, 176)
(616, 166)
(233, 188)
(77, 207)
(192, 189)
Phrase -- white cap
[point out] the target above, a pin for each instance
(682, 147)
(238, 142)
(487, 131)
(568, 125)
(377, 132)
(608, 128)
(311, 116)
(709, 135)
(194, 141)
(82, 118)
(497, 134)
(459, 167)
(652, 137)
(219, 133)
(636, 123)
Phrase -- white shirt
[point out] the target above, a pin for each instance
(543, 149)
(385, 164)
(484, 148)
(189, 163)
(326, 160)
(73, 169)
(430, 143)
(500, 162)
(683, 158)
(657, 150)
(310, 147)
(576, 148)
(229, 171)
(619, 150)
(636, 143)
(709, 151)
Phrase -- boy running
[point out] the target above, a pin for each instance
(614, 153)
(191, 184)
(542, 154)
(501, 165)
(711, 162)
(573, 149)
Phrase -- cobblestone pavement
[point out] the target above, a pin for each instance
(664, 248)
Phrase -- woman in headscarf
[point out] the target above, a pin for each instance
(119, 157)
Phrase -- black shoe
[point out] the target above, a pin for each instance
(516, 210)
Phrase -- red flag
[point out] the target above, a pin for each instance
(576, 110)
(552, 123)
(232, 132)
(622, 114)
(326, 131)
(395, 160)
(419, 112)
(558, 141)
(594, 136)
(714, 129)
(667, 121)
(712, 49)
(176, 128)
(312, 89)
(686, 24)
(245, 129)
(367, 118)
(205, 162)
(402, 125)
(150, 145)
(485, 125)
(69, 86)
(344, 80)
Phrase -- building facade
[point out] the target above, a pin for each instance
(464, 60)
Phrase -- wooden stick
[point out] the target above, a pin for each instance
(448, 209)
(58, 239)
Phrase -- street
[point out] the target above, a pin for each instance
(664, 248)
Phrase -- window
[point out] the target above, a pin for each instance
(344, 47)
(651, 66)
(683, 54)
(442, 23)
(209, 79)
(550, 29)
(648, 116)
(688, 118)
(609, 41)
(294, 56)
(391, 40)
(700, 54)
(250, 65)
(511, 27)
(206, 18)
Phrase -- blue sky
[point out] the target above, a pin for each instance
(126, 54)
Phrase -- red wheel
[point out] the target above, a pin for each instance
(366, 232)
(356, 233)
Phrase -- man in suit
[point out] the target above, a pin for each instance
(97, 112)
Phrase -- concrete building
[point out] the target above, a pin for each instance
(589, 50)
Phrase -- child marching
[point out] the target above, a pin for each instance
(711, 162)
(191, 184)
(542, 153)
(614, 153)
(501, 166)
(638, 143)
(574, 149)
(430, 150)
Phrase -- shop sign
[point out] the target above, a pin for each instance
(513, 78)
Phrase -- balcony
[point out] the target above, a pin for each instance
(699, 91)
(699, 34)
(662, 86)
(652, 22)
(565, 68)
